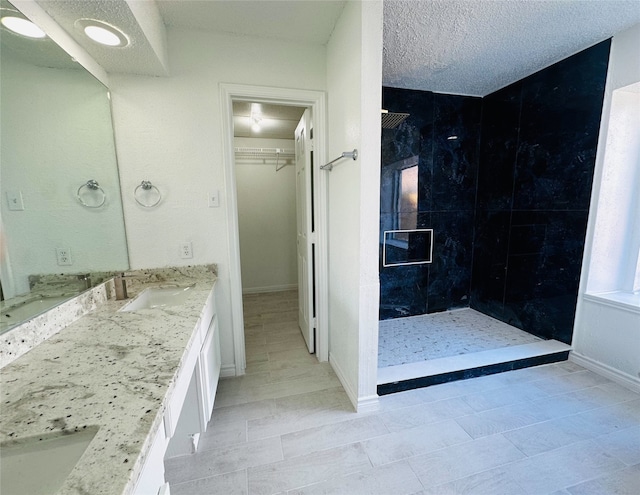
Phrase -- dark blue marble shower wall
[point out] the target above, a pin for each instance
(509, 210)
(537, 157)
(428, 181)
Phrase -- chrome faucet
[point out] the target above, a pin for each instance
(120, 286)
(85, 281)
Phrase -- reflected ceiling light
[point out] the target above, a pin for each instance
(19, 25)
(452, 138)
(256, 116)
(255, 127)
(102, 33)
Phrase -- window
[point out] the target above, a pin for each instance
(614, 268)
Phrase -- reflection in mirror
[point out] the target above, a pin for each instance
(56, 135)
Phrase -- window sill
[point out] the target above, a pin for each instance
(629, 301)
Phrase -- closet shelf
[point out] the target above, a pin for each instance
(264, 153)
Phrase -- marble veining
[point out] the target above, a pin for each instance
(504, 182)
(537, 158)
(111, 370)
(440, 138)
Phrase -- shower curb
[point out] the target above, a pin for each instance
(490, 369)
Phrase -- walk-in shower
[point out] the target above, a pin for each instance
(484, 204)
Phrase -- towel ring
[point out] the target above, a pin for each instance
(147, 186)
(91, 185)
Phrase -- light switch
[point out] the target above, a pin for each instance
(14, 198)
(214, 199)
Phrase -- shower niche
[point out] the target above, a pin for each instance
(407, 247)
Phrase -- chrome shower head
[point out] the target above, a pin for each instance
(391, 120)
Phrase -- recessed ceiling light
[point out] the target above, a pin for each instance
(22, 26)
(102, 33)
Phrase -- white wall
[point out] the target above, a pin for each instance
(56, 135)
(354, 81)
(607, 335)
(169, 131)
(266, 218)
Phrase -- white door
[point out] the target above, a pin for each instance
(304, 230)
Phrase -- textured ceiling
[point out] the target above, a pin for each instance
(137, 58)
(468, 47)
(474, 47)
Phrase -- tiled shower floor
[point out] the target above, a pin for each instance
(421, 350)
(438, 335)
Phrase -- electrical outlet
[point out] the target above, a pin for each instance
(186, 250)
(214, 199)
(63, 255)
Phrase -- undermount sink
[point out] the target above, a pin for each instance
(39, 466)
(161, 297)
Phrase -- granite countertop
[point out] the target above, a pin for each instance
(109, 370)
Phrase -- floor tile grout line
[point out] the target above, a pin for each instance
(416, 474)
(174, 485)
(624, 466)
(595, 401)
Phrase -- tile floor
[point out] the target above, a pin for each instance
(287, 427)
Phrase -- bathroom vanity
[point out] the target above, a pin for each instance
(124, 388)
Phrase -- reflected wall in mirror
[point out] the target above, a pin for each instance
(56, 134)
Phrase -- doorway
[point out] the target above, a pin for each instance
(276, 97)
(274, 174)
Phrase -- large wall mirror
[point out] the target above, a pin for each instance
(61, 209)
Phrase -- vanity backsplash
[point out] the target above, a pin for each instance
(69, 300)
(18, 340)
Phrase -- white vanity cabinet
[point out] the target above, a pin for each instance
(189, 406)
(209, 362)
(209, 371)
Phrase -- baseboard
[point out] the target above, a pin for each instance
(228, 371)
(271, 288)
(624, 379)
(368, 404)
(353, 396)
